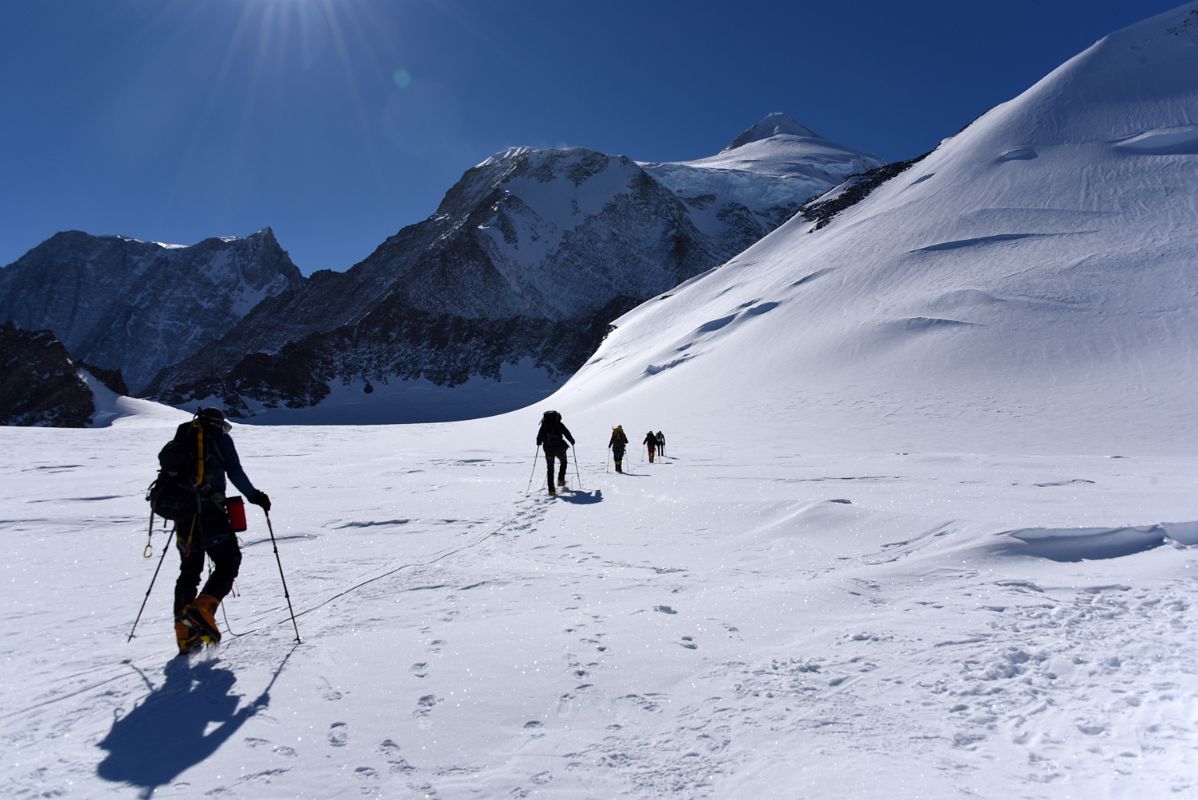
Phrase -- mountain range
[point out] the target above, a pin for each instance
(136, 306)
(487, 305)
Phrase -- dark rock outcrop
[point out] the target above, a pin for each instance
(39, 384)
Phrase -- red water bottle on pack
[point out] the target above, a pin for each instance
(235, 507)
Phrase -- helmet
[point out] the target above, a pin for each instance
(214, 419)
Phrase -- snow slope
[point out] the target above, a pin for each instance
(729, 621)
(1035, 274)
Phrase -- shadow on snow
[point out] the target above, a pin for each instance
(179, 725)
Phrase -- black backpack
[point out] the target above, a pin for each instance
(551, 430)
(175, 493)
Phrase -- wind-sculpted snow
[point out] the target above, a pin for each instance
(1084, 544)
(1182, 140)
(741, 618)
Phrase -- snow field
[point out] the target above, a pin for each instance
(725, 622)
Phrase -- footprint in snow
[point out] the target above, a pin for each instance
(338, 735)
(425, 705)
(689, 643)
(396, 763)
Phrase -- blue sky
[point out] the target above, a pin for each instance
(338, 122)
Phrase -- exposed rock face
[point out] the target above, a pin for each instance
(822, 210)
(39, 385)
(136, 307)
(527, 258)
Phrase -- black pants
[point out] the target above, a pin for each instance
(550, 454)
(618, 452)
(212, 535)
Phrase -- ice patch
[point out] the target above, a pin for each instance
(819, 273)
(919, 324)
(653, 369)
(1018, 154)
(715, 324)
(957, 244)
(1182, 140)
(1084, 544)
(761, 309)
(1182, 533)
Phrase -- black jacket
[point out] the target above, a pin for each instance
(551, 434)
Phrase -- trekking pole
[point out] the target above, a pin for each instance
(279, 561)
(147, 597)
(606, 463)
(577, 474)
(534, 469)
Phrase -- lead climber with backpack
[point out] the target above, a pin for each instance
(552, 436)
(191, 491)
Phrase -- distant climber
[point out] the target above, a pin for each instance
(661, 443)
(552, 436)
(651, 443)
(617, 445)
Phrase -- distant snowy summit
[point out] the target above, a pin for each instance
(137, 307)
(771, 163)
(502, 293)
(781, 147)
(774, 124)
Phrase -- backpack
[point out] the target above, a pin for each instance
(551, 430)
(175, 493)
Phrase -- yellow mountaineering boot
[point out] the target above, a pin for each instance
(188, 640)
(200, 616)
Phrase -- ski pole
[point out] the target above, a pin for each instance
(165, 547)
(577, 474)
(606, 463)
(279, 561)
(534, 469)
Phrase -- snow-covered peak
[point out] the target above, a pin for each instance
(1133, 90)
(774, 124)
(771, 163)
(503, 156)
(1034, 276)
